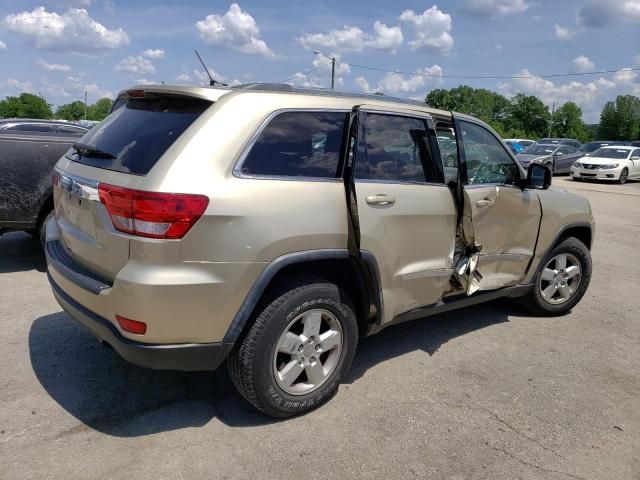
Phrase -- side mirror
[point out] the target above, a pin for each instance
(635, 157)
(538, 176)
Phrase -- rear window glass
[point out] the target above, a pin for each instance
(298, 144)
(138, 133)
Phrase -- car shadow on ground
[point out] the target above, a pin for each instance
(427, 334)
(107, 394)
(21, 252)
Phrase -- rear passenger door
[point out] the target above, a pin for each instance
(406, 214)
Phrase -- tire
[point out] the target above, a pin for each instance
(624, 176)
(551, 305)
(42, 228)
(256, 364)
(575, 179)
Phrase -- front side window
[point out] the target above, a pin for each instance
(487, 160)
(298, 144)
(396, 149)
(30, 127)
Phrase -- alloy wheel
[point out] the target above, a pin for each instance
(308, 351)
(560, 278)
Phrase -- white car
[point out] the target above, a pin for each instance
(617, 164)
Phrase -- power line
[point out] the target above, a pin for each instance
(307, 72)
(490, 77)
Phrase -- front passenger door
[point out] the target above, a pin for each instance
(500, 220)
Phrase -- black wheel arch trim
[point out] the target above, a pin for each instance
(366, 261)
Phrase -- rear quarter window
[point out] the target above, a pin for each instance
(297, 144)
(140, 131)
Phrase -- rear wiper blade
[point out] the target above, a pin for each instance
(89, 151)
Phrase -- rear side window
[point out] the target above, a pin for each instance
(298, 144)
(31, 127)
(69, 130)
(396, 150)
(138, 133)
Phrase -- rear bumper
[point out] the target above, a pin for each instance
(183, 356)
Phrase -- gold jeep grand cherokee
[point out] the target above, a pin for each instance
(272, 227)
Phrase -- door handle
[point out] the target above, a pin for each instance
(381, 199)
(487, 202)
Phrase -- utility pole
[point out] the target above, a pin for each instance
(333, 72)
(85, 104)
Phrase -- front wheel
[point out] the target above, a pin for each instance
(624, 176)
(563, 280)
(298, 349)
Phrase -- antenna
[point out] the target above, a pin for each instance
(212, 82)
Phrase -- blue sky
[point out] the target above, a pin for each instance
(60, 48)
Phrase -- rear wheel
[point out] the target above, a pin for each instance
(299, 348)
(563, 280)
(624, 176)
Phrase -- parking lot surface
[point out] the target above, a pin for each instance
(485, 392)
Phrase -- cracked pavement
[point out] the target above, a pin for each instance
(486, 392)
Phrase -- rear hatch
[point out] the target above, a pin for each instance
(115, 155)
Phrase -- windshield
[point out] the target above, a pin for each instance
(611, 153)
(135, 135)
(540, 150)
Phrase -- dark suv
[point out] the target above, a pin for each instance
(28, 151)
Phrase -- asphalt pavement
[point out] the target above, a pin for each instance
(486, 392)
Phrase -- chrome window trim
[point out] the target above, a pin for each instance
(244, 152)
(77, 186)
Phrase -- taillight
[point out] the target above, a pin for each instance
(152, 214)
(132, 326)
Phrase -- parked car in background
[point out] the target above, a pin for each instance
(564, 141)
(265, 246)
(593, 146)
(617, 163)
(634, 144)
(28, 151)
(558, 157)
(514, 146)
(522, 141)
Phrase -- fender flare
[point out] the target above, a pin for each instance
(371, 279)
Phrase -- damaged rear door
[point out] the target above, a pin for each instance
(500, 220)
(401, 211)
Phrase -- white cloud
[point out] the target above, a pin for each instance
(562, 33)
(432, 29)
(138, 65)
(198, 77)
(321, 78)
(157, 53)
(602, 13)
(183, 77)
(590, 96)
(354, 39)
(144, 81)
(583, 64)
(13, 86)
(3, 46)
(73, 31)
(236, 30)
(490, 8)
(401, 84)
(53, 67)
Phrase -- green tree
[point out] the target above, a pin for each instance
(71, 111)
(100, 109)
(567, 122)
(489, 106)
(26, 105)
(528, 114)
(620, 120)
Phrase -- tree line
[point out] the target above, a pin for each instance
(523, 116)
(526, 116)
(27, 105)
